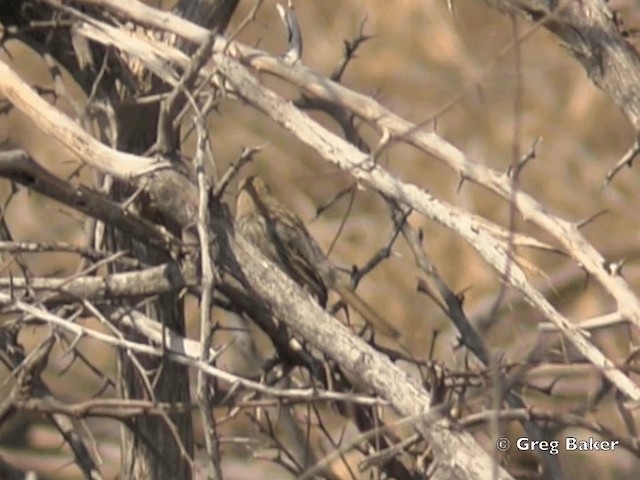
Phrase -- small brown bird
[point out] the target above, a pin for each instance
(282, 237)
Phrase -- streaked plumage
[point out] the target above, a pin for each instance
(283, 238)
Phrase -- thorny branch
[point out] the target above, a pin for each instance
(324, 361)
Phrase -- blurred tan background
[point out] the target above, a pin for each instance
(420, 59)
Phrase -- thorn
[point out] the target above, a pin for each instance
(294, 35)
(614, 268)
(588, 220)
(625, 161)
(526, 158)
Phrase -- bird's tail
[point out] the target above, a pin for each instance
(353, 300)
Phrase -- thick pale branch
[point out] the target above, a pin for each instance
(456, 450)
(152, 281)
(59, 126)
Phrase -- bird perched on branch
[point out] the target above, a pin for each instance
(282, 237)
